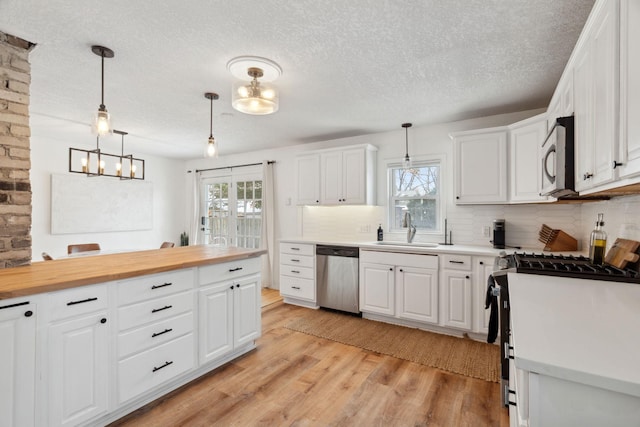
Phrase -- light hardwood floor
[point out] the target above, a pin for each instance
(298, 379)
(269, 296)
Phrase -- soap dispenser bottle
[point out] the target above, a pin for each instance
(380, 233)
(598, 242)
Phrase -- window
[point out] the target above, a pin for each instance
(416, 190)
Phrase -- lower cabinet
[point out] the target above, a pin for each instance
(404, 286)
(17, 362)
(229, 316)
(456, 293)
(77, 357)
(482, 269)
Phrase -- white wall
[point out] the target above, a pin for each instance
(50, 155)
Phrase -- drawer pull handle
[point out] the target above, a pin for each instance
(161, 286)
(456, 262)
(295, 260)
(295, 249)
(295, 287)
(166, 307)
(231, 270)
(163, 366)
(14, 305)
(157, 334)
(295, 271)
(82, 301)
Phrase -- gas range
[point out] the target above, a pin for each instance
(579, 267)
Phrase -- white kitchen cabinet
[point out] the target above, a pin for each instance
(377, 288)
(404, 286)
(481, 166)
(155, 323)
(456, 293)
(77, 361)
(482, 269)
(561, 104)
(298, 273)
(344, 176)
(596, 97)
(525, 173)
(629, 148)
(229, 310)
(308, 179)
(17, 361)
(417, 294)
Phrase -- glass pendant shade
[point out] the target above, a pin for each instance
(212, 149)
(102, 122)
(255, 97)
(406, 162)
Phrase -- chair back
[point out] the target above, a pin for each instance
(46, 256)
(83, 247)
(167, 245)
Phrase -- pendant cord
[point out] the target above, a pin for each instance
(211, 120)
(102, 104)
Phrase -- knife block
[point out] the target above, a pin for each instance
(557, 240)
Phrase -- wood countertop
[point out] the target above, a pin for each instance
(48, 276)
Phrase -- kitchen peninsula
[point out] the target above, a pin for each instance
(95, 337)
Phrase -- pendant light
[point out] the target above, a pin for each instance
(406, 163)
(212, 148)
(102, 120)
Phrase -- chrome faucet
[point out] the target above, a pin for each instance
(411, 229)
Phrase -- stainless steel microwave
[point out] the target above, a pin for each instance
(558, 170)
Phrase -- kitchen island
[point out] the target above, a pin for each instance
(87, 340)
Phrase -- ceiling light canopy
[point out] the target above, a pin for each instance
(211, 149)
(250, 95)
(102, 119)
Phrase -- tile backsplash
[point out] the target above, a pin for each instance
(523, 222)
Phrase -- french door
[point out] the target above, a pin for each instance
(231, 211)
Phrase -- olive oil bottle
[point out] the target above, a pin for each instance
(598, 242)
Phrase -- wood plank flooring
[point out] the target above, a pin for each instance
(269, 296)
(301, 380)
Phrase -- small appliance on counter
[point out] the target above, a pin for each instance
(499, 233)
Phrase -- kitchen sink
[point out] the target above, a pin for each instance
(411, 245)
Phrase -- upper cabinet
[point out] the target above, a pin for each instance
(525, 171)
(343, 176)
(481, 166)
(595, 71)
(629, 150)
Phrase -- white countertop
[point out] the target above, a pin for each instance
(389, 247)
(578, 330)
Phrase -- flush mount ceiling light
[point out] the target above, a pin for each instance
(212, 148)
(406, 163)
(102, 119)
(98, 163)
(250, 95)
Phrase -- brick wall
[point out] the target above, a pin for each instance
(15, 187)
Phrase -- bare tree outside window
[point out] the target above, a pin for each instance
(417, 190)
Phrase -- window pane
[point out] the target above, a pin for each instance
(416, 182)
(415, 191)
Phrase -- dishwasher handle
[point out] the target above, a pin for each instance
(343, 251)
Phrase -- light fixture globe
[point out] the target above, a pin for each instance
(211, 149)
(406, 162)
(254, 93)
(102, 119)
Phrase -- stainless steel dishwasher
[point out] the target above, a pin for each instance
(337, 277)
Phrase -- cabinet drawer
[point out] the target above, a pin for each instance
(154, 334)
(76, 301)
(297, 249)
(399, 259)
(456, 262)
(146, 312)
(153, 286)
(146, 370)
(297, 260)
(294, 271)
(297, 288)
(228, 270)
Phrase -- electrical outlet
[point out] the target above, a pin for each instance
(486, 231)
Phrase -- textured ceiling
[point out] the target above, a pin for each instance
(349, 67)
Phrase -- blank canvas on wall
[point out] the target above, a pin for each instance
(81, 204)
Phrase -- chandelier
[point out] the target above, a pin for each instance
(98, 163)
(249, 94)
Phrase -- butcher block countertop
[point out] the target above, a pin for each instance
(48, 276)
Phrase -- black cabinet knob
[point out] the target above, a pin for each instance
(481, 262)
(28, 313)
(238, 285)
(466, 277)
(103, 320)
(231, 287)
